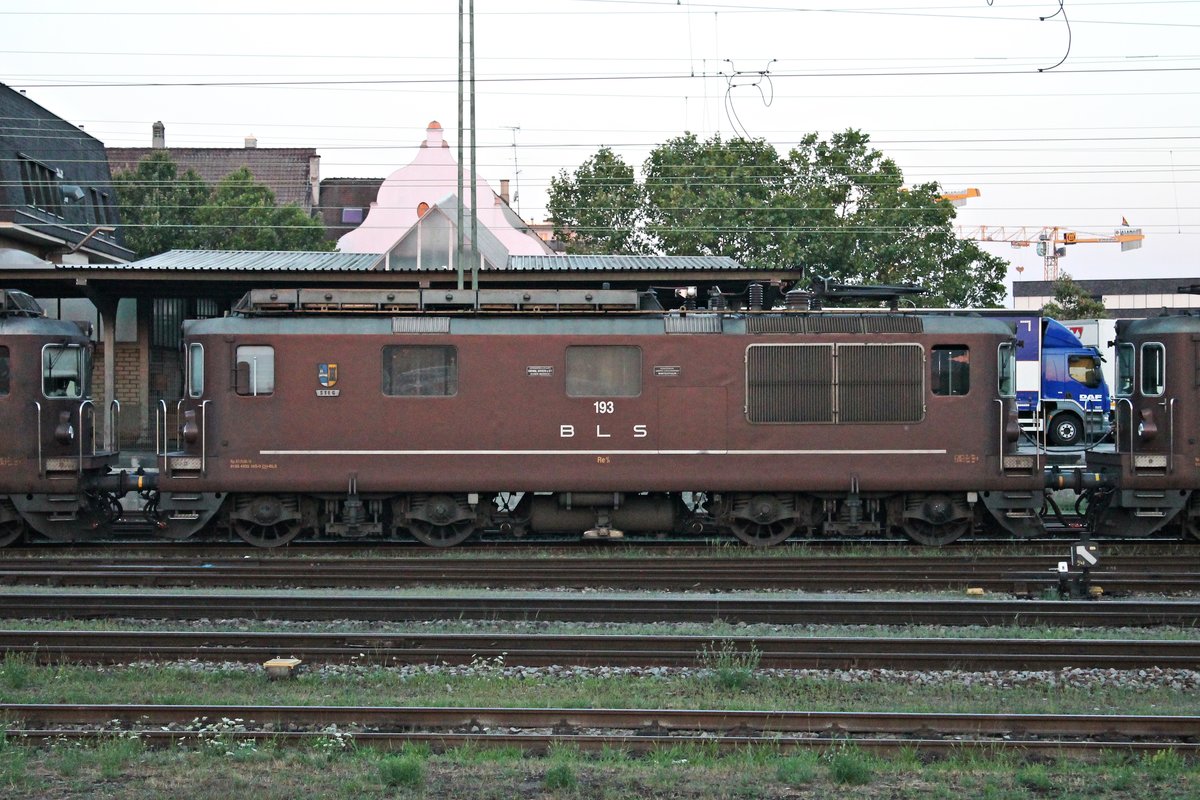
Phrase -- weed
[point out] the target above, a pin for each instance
(1165, 765)
(560, 776)
(403, 770)
(731, 668)
(113, 755)
(798, 769)
(1034, 776)
(17, 671)
(849, 766)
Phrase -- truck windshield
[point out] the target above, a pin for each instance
(1085, 370)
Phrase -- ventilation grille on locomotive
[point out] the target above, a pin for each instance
(835, 323)
(826, 383)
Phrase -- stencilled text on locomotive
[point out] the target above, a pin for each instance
(966, 458)
(570, 431)
(246, 463)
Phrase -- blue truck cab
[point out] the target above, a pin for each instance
(1061, 392)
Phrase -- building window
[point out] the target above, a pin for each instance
(604, 371)
(255, 369)
(41, 186)
(352, 216)
(4, 371)
(950, 369)
(420, 371)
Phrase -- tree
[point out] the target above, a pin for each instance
(862, 225)
(158, 207)
(242, 215)
(600, 207)
(161, 211)
(1071, 301)
(836, 208)
(716, 198)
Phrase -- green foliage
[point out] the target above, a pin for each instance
(1035, 776)
(1071, 301)
(849, 766)
(836, 208)
(242, 215)
(599, 208)
(798, 769)
(113, 755)
(403, 770)
(158, 206)
(161, 210)
(731, 668)
(17, 671)
(1163, 766)
(560, 776)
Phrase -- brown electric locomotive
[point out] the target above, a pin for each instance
(437, 414)
(54, 473)
(1151, 479)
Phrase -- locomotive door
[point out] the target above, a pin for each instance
(692, 418)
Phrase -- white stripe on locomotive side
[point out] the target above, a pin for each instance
(600, 452)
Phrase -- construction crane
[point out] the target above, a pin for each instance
(1052, 242)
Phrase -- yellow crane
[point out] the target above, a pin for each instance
(1052, 242)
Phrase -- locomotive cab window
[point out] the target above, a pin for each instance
(255, 370)
(1085, 370)
(950, 369)
(1126, 355)
(4, 370)
(1006, 369)
(604, 371)
(420, 371)
(64, 371)
(1154, 373)
(195, 370)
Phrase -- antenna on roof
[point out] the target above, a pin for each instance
(516, 169)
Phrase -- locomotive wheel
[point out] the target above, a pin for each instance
(757, 534)
(442, 535)
(275, 535)
(267, 524)
(927, 533)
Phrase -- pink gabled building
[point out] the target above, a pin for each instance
(414, 217)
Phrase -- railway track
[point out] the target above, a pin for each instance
(536, 729)
(782, 610)
(1134, 574)
(111, 647)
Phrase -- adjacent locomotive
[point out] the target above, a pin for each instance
(1153, 473)
(54, 474)
(436, 414)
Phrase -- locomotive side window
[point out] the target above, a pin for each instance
(1126, 356)
(420, 371)
(255, 369)
(1006, 368)
(604, 371)
(4, 370)
(950, 369)
(1154, 374)
(64, 371)
(195, 368)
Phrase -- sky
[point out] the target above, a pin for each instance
(1080, 120)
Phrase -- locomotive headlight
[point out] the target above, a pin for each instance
(64, 432)
(1146, 428)
(191, 431)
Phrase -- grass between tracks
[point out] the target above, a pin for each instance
(336, 767)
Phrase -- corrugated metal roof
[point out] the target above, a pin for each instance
(252, 260)
(582, 263)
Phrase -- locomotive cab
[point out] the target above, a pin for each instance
(1151, 473)
(53, 465)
